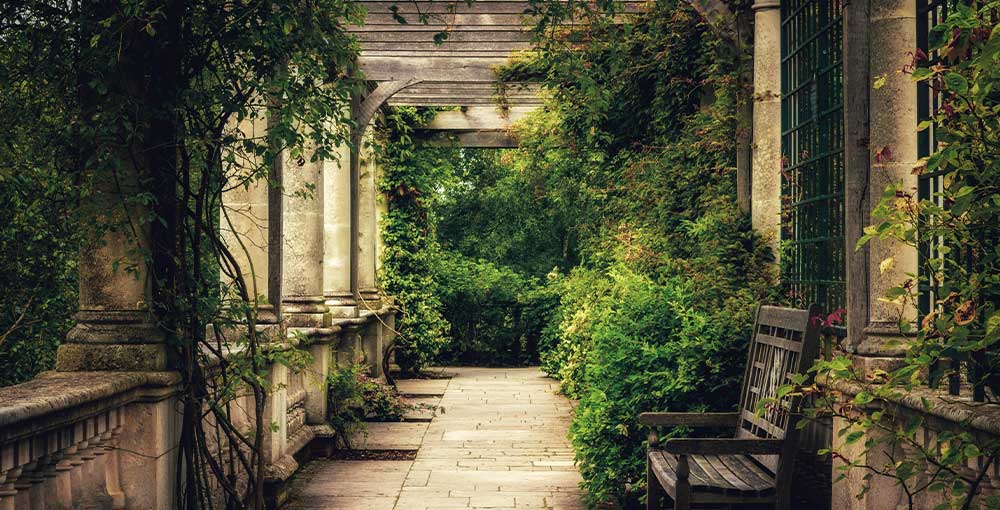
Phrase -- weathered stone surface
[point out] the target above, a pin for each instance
(63, 391)
(112, 357)
(500, 442)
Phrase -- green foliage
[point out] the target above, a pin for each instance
(496, 209)
(353, 398)
(484, 303)
(648, 347)
(637, 144)
(40, 244)
(139, 109)
(39, 189)
(408, 179)
(963, 322)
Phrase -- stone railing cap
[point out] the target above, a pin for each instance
(52, 392)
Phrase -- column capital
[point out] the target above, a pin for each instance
(762, 5)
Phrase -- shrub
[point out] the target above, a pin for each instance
(354, 397)
(484, 303)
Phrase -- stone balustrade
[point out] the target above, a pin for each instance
(84, 440)
(108, 440)
(937, 413)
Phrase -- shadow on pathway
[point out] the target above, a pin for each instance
(498, 440)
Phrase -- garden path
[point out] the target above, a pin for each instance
(497, 440)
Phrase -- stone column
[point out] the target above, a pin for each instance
(276, 413)
(141, 460)
(115, 329)
(367, 229)
(381, 211)
(893, 155)
(337, 253)
(373, 345)
(246, 226)
(302, 274)
(315, 382)
(765, 185)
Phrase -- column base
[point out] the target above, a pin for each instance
(370, 300)
(342, 306)
(306, 312)
(78, 357)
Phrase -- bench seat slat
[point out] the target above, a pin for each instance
(731, 475)
(788, 345)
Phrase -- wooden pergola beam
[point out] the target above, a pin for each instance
(472, 140)
(481, 118)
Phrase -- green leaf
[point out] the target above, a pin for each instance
(956, 83)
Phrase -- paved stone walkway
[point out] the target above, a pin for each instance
(498, 440)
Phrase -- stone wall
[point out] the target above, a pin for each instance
(108, 440)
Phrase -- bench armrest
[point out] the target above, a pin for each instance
(689, 419)
(723, 446)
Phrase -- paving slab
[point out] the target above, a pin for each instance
(422, 387)
(421, 408)
(389, 436)
(497, 440)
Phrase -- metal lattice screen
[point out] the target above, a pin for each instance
(812, 143)
(929, 14)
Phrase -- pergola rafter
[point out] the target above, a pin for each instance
(445, 54)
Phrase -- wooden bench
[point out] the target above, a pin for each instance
(756, 465)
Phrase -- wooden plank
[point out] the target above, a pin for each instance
(453, 53)
(751, 474)
(857, 163)
(477, 118)
(721, 446)
(778, 342)
(487, 91)
(471, 70)
(766, 426)
(788, 318)
(476, 139)
(718, 482)
(502, 49)
(404, 34)
(718, 461)
(458, 101)
(689, 419)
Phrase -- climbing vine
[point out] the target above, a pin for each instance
(139, 105)
(408, 180)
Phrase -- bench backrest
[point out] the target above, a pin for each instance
(785, 342)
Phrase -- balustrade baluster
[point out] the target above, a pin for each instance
(112, 483)
(22, 486)
(62, 497)
(7, 490)
(37, 479)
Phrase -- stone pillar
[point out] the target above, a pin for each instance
(373, 345)
(114, 328)
(141, 457)
(302, 274)
(276, 413)
(315, 382)
(367, 229)
(381, 211)
(893, 155)
(765, 186)
(350, 351)
(337, 252)
(245, 224)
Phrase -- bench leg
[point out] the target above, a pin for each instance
(654, 491)
(682, 496)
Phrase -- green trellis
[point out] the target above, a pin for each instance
(812, 144)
